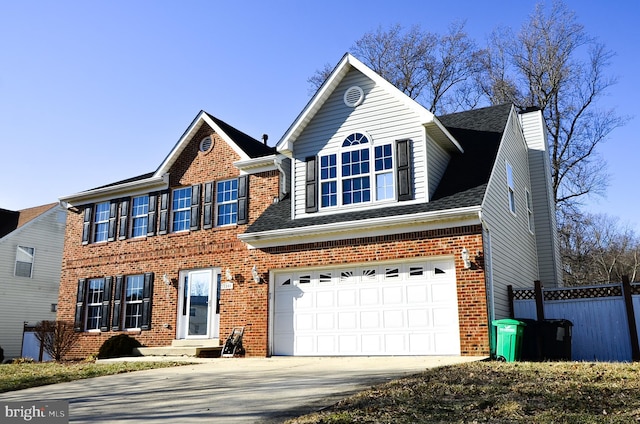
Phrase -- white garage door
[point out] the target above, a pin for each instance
(388, 309)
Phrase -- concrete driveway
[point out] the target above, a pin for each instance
(224, 390)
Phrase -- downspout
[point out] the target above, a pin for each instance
(488, 272)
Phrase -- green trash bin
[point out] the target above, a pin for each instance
(509, 339)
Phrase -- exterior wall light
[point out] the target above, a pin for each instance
(465, 258)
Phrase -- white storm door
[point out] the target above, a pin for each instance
(197, 315)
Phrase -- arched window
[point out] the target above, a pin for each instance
(361, 173)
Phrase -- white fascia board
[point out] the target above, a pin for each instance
(285, 145)
(180, 145)
(364, 228)
(257, 165)
(202, 117)
(225, 137)
(133, 188)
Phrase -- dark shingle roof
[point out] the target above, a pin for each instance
(463, 184)
(252, 147)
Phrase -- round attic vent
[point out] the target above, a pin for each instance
(205, 144)
(353, 96)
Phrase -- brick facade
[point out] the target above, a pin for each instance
(246, 304)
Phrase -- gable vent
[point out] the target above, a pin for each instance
(353, 96)
(205, 144)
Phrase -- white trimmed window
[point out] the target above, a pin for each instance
(360, 173)
(24, 261)
(95, 296)
(133, 301)
(139, 216)
(101, 222)
(181, 209)
(529, 211)
(511, 189)
(227, 202)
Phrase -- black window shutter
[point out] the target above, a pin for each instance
(311, 187)
(207, 208)
(152, 216)
(405, 191)
(116, 322)
(78, 324)
(194, 221)
(164, 213)
(243, 199)
(124, 219)
(106, 304)
(86, 225)
(147, 294)
(113, 214)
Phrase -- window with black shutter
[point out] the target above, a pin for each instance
(86, 225)
(405, 191)
(311, 186)
(164, 213)
(106, 304)
(194, 221)
(147, 295)
(124, 219)
(153, 217)
(116, 322)
(207, 208)
(78, 323)
(243, 199)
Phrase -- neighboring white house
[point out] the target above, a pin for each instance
(31, 242)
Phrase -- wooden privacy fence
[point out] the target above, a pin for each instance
(605, 318)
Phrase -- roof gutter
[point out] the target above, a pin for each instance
(107, 193)
(363, 228)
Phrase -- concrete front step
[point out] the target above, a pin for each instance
(209, 348)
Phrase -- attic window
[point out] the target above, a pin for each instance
(205, 144)
(353, 96)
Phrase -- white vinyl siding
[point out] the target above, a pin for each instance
(513, 254)
(542, 199)
(437, 161)
(381, 116)
(45, 234)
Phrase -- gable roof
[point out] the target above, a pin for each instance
(460, 193)
(437, 131)
(248, 149)
(12, 220)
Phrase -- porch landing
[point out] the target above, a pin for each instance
(209, 348)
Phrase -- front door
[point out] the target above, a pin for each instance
(198, 314)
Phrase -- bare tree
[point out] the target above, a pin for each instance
(598, 249)
(552, 63)
(56, 337)
(436, 70)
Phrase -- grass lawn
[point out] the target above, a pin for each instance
(495, 392)
(24, 375)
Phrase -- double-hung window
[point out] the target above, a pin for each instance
(101, 222)
(139, 216)
(360, 173)
(181, 209)
(133, 301)
(95, 296)
(511, 189)
(24, 261)
(227, 202)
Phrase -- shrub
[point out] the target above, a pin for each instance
(57, 338)
(116, 346)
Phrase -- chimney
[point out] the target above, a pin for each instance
(265, 137)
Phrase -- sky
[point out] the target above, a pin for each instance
(93, 92)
